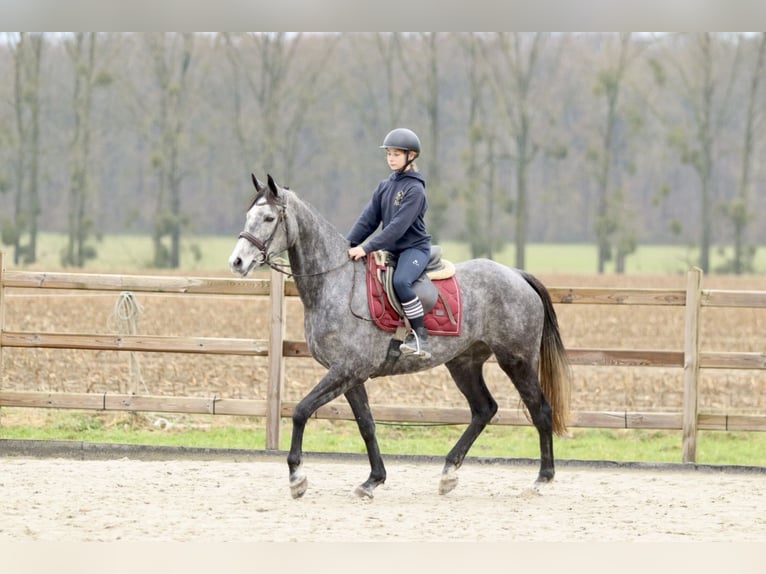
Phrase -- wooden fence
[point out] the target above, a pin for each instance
(277, 349)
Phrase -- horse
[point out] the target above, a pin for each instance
(508, 313)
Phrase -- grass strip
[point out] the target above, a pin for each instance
(630, 445)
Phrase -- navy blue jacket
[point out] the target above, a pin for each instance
(400, 204)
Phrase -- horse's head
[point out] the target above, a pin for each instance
(264, 234)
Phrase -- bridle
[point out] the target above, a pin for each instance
(263, 247)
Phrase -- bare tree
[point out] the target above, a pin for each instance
(378, 99)
(514, 74)
(479, 192)
(614, 238)
(82, 52)
(707, 94)
(171, 57)
(27, 50)
(392, 53)
(424, 88)
(740, 210)
(274, 88)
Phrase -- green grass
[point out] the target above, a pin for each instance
(208, 253)
(714, 447)
(582, 258)
(120, 253)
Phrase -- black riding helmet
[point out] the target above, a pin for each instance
(403, 138)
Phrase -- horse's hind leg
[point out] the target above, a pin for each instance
(524, 377)
(466, 370)
(360, 405)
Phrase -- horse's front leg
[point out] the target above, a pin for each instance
(332, 385)
(360, 405)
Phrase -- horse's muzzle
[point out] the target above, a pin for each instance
(236, 265)
(243, 266)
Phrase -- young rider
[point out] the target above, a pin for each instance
(399, 204)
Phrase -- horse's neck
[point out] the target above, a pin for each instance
(317, 251)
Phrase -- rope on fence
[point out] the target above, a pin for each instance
(124, 318)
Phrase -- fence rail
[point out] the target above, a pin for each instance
(277, 349)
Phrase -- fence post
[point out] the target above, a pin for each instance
(691, 363)
(276, 360)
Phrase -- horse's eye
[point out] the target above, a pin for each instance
(269, 218)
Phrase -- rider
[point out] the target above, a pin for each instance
(399, 203)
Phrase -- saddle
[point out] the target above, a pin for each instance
(437, 289)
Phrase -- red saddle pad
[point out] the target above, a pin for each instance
(437, 321)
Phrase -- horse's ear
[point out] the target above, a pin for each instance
(273, 185)
(259, 187)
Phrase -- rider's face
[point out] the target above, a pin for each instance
(396, 158)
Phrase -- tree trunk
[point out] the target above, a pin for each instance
(705, 164)
(520, 65)
(82, 53)
(741, 211)
(27, 103)
(171, 68)
(608, 219)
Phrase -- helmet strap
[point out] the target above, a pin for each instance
(409, 161)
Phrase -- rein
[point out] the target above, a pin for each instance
(263, 247)
(280, 268)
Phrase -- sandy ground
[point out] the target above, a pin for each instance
(59, 499)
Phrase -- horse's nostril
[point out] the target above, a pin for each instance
(238, 262)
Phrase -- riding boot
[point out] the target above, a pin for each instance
(416, 343)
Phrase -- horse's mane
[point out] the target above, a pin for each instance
(292, 199)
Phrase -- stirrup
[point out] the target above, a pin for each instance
(417, 350)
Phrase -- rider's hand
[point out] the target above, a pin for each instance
(356, 252)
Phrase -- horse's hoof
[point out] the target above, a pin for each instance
(538, 486)
(298, 486)
(532, 490)
(543, 480)
(364, 491)
(448, 482)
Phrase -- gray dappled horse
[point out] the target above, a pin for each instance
(507, 312)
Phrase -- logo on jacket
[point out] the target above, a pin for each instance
(399, 197)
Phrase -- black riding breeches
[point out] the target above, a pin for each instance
(410, 266)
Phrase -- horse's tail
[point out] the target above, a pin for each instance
(554, 369)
